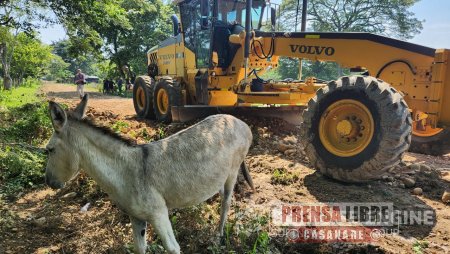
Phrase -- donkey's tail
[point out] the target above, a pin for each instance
(247, 176)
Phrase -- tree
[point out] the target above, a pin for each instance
(385, 17)
(58, 70)
(133, 27)
(16, 16)
(31, 58)
(86, 61)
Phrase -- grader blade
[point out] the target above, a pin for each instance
(291, 114)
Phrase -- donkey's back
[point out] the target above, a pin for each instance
(190, 166)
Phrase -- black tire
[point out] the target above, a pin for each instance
(391, 136)
(143, 97)
(174, 98)
(152, 70)
(438, 144)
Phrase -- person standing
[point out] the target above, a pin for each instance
(80, 80)
(119, 85)
(111, 86)
(105, 86)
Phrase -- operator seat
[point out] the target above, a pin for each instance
(225, 50)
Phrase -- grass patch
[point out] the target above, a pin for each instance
(21, 95)
(419, 247)
(283, 176)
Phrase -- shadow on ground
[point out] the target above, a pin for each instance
(328, 190)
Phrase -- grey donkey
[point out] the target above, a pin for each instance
(145, 181)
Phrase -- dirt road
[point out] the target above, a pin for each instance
(99, 102)
(280, 175)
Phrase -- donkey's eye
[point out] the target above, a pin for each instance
(50, 150)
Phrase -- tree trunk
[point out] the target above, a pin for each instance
(7, 81)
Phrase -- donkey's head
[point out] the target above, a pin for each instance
(63, 163)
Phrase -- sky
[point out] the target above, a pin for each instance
(435, 32)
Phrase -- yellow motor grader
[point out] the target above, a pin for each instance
(353, 129)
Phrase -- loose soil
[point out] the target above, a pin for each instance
(48, 221)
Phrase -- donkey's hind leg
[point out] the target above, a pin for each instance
(161, 224)
(139, 234)
(226, 194)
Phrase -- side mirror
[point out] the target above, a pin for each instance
(204, 12)
(273, 17)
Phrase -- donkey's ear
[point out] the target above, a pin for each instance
(80, 111)
(58, 116)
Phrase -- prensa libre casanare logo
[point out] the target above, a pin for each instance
(312, 50)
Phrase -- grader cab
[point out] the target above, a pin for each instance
(353, 129)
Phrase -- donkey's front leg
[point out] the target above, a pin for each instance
(139, 234)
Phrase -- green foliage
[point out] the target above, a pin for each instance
(419, 247)
(119, 126)
(29, 124)
(388, 17)
(21, 95)
(288, 68)
(24, 126)
(23, 129)
(31, 58)
(284, 177)
(88, 62)
(21, 169)
(58, 70)
(246, 232)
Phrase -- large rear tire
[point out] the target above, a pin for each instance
(438, 144)
(166, 94)
(356, 128)
(143, 97)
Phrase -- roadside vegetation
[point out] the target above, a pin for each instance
(24, 128)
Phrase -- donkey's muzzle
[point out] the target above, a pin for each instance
(52, 183)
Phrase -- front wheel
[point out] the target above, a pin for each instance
(355, 128)
(143, 97)
(166, 94)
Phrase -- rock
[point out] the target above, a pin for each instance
(417, 191)
(40, 222)
(85, 207)
(397, 176)
(401, 185)
(290, 140)
(424, 167)
(290, 152)
(415, 167)
(283, 147)
(266, 135)
(390, 179)
(69, 195)
(384, 177)
(409, 182)
(446, 196)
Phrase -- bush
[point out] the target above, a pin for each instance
(20, 169)
(22, 162)
(29, 124)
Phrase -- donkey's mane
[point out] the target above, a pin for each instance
(104, 129)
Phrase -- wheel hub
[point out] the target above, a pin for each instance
(346, 128)
(140, 97)
(163, 101)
